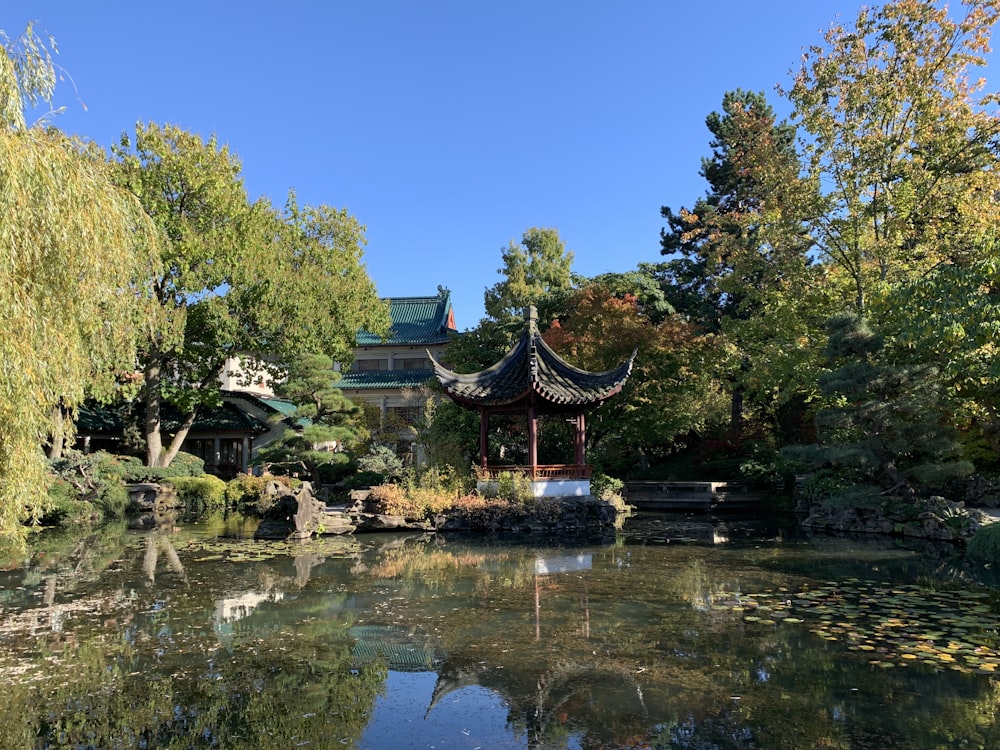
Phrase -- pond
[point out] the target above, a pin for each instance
(671, 633)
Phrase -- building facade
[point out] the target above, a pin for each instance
(391, 374)
(388, 374)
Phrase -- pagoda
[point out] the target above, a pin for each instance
(532, 379)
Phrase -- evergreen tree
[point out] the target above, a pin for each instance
(740, 265)
(883, 430)
(537, 270)
(328, 423)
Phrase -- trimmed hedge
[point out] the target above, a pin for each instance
(183, 465)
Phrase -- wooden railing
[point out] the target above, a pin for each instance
(541, 471)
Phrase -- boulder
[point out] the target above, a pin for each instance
(296, 514)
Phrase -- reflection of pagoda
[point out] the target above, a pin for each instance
(532, 379)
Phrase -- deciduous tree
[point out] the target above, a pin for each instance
(75, 253)
(902, 140)
(950, 317)
(238, 279)
(671, 390)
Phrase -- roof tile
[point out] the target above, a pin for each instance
(416, 320)
(375, 379)
(531, 366)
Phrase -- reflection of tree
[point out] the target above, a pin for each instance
(300, 690)
(155, 543)
(609, 697)
(619, 657)
(653, 651)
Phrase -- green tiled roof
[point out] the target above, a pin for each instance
(397, 647)
(97, 419)
(416, 320)
(226, 418)
(373, 379)
(280, 405)
(271, 404)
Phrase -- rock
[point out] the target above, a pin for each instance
(146, 497)
(294, 515)
(336, 522)
(382, 522)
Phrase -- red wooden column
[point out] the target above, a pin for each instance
(580, 441)
(532, 439)
(484, 437)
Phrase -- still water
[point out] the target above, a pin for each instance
(671, 633)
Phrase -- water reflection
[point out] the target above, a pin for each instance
(678, 633)
(551, 566)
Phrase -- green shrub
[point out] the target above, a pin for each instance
(183, 465)
(604, 487)
(206, 492)
(245, 493)
(512, 486)
(113, 465)
(245, 490)
(984, 545)
(65, 507)
(382, 460)
(113, 499)
(187, 465)
(335, 472)
(87, 487)
(362, 479)
(820, 486)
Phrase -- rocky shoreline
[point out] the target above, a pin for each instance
(936, 518)
(297, 514)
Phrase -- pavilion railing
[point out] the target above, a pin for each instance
(540, 471)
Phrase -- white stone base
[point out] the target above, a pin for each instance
(544, 487)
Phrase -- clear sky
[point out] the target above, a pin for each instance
(446, 127)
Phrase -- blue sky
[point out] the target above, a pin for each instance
(447, 128)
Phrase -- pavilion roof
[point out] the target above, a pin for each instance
(532, 371)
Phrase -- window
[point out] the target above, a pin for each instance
(413, 363)
(203, 449)
(367, 365)
(230, 457)
(406, 414)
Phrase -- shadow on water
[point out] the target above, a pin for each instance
(675, 632)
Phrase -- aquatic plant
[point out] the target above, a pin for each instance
(895, 625)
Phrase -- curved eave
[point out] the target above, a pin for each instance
(561, 383)
(486, 387)
(532, 367)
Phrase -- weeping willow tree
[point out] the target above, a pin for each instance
(73, 249)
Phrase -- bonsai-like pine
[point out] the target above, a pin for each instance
(326, 424)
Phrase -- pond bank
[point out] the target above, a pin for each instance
(297, 514)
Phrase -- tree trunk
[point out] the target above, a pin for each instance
(175, 444)
(154, 442)
(736, 410)
(57, 438)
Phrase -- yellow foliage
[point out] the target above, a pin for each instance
(74, 252)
